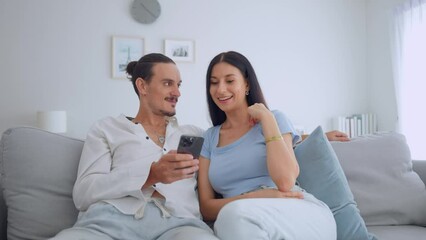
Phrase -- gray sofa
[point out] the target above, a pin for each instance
(38, 170)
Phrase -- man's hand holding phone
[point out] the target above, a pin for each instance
(173, 167)
(178, 165)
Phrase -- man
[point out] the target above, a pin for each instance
(131, 184)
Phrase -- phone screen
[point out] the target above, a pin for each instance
(191, 145)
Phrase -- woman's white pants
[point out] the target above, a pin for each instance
(276, 219)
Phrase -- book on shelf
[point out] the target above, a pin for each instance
(356, 124)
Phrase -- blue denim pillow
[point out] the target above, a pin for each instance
(322, 176)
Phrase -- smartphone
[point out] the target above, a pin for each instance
(191, 145)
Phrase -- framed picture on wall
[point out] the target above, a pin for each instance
(124, 50)
(180, 50)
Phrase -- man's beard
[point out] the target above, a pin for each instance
(168, 114)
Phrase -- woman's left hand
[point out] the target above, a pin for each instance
(257, 112)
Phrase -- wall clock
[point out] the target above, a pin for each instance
(145, 11)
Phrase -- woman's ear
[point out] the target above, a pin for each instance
(247, 87)
(141, 85)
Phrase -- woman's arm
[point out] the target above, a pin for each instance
(282, 164)
(209, 206)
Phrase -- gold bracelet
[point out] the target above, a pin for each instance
(274, 138)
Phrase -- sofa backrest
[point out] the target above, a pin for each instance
(38, 170)
(380, 173)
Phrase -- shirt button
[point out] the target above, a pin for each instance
(164, 149)
(147, 137)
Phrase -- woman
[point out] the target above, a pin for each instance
(248, 156)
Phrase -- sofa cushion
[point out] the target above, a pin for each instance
(405, 232)
(322, 176)
(380, 174)
(38, 170)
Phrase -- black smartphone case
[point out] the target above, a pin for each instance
(191, 145)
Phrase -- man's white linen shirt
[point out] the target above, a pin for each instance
(115, 163)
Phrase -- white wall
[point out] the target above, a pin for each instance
(310, 56)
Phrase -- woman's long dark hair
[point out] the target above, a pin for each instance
(239, 61)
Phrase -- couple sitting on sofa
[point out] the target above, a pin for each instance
(131, 184)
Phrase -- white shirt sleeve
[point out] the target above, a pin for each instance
(98, 180)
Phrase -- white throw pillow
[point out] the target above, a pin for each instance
(380, 173)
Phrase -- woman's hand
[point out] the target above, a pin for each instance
(257, 112)
(273, 193)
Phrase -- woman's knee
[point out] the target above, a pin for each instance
(232, 212)
(79, 233)
(236, 221)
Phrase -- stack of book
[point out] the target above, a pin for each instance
(356, 124)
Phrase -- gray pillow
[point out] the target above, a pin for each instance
(38, 171)
(380, 174)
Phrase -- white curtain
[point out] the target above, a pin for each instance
(409, 64)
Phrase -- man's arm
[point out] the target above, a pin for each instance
(333, 136)
(97, 180)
